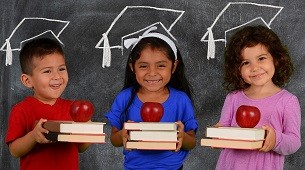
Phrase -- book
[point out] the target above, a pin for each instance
(232, 144)
(78, 138)
(153, 135)
(151, 145)
(74, 127)
(150, 126)
(235, 133)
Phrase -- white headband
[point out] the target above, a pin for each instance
(134, 41)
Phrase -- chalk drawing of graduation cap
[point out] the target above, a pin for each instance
(31, 28)
(132, 20)
(245, 13)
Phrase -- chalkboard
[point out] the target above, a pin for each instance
(84, 27)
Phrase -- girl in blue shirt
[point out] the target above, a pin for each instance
(154, 73)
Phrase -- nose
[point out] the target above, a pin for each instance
(56, 75)
(152, 71)
(254, 67)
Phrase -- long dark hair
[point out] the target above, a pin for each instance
(250, 36)
(178, 79)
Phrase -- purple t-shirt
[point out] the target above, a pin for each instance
(282, 112)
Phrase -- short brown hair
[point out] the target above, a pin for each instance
(37, 48)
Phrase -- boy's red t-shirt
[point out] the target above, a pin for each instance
(58, 155)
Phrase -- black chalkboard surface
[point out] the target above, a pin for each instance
(91, 30)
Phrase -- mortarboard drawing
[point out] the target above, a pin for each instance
(132, 20)
(262, 12)
(28, 29)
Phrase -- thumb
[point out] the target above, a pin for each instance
(265, 127)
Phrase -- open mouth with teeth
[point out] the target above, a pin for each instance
(153, 81)
(55, 86)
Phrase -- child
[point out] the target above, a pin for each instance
(44, 71)
(154, 73)
(257, 67)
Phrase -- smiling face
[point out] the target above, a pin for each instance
(257, 67)
(153, 70)
(48, 79)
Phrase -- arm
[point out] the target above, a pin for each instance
(270, 139)
(118, 137)
(288, 138)
(189, 140)
(83, 147)
(186, 140)
(25, 144)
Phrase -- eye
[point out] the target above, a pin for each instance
(46, 71)
(161, 65)
(261, 58)
(244, 63)
(62, 69)
(142, 66)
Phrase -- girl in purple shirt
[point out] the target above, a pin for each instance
(257, 67)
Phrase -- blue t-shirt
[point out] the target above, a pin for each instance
(177, 107)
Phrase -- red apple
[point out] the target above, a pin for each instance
(247, 116)
(81, 110)
(152, 112)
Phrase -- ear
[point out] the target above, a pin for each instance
(131, 67)
(175, 66)
(275, 62)
(26, 80)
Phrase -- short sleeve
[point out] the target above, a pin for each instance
(115, 114)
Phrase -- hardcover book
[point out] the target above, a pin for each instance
(235, 133)
(232, 144)
(150, 126)
(151, 145)
(74, 127)
(78, 138)
(153, 135)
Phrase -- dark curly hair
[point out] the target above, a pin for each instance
(250, 36)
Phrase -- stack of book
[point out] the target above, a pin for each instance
(151, 135)
(70, 131)
(234, 138)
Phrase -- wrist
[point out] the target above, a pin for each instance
(31, 136)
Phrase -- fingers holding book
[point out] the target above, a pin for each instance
(38, 132)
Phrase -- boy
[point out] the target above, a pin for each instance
(44, 71)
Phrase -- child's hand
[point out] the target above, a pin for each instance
(180, 135)
(217, 125)
(38, 132)
(125, 136)
(270, 139)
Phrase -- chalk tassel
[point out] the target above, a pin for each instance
(211, 45)
(9, 54)
(106, 52)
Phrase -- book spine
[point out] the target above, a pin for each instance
(52, 126)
